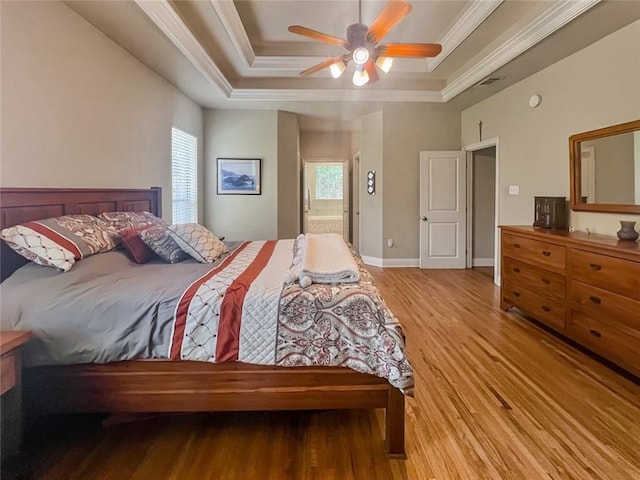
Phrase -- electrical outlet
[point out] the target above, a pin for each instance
(390, 242)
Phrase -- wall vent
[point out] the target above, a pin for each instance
(487, 81)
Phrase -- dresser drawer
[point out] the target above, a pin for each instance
(536, 279)
(610, 308)
(7, 372)
(542, 308)
(534, 250)
(615, 274)
(620, 347)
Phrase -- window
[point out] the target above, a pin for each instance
(184, 161)
(329, 182)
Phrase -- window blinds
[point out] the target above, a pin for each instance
(184, 148)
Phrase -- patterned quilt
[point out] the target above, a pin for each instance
(242, 310)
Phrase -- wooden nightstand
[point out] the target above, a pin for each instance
(10, 390)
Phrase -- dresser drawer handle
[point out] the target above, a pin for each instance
(546, 253)
(516, 269)
(595, 266)
(546, 281)
(517, 294)
(595, 333)
(595, 300)
(545, 308)
(516, 245)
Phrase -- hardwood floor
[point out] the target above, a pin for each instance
(497, 397)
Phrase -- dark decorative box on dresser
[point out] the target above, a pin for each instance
(586, 287)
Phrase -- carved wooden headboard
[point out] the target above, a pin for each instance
(18, 205)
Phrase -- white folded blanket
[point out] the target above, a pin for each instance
(326, 258)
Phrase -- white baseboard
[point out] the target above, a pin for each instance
(482, 262)
(400, 262)
(390, 262)
(373, 261)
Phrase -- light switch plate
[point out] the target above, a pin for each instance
(514, 190)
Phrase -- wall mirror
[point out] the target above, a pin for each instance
(605, 169)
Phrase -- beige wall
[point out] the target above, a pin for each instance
(325, 145)
(242, 134)
(407, 132)
(595, 87)
(288, 175)
(79, 111)
(371, 158)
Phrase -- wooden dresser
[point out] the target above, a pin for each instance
(586, 287)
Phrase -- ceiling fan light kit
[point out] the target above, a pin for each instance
(384, 63)
(360, 77)
(337, 69)
(363, 48)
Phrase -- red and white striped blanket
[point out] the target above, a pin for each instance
(242, 310)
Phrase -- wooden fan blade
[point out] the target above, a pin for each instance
(321, 37)
(415, 50)
(327, 63)
(392, 13)
(370, 67)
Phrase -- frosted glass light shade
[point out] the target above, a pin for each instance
(337, 69)
(384, 63)
(360, 77)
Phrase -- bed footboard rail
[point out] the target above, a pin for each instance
(169, 386)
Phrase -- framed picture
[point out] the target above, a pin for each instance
(239, 176)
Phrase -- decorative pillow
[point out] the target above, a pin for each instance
(58, 242)
(130, 220)
(158, 239)
(198, 242)
(136, 248)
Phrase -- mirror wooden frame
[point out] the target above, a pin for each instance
(575, 169)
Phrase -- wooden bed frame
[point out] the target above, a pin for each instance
(179, 386)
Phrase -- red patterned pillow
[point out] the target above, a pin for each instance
(58, 242)
(137, 249)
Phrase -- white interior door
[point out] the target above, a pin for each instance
(442, 210)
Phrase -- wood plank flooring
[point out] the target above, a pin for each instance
(497, 397)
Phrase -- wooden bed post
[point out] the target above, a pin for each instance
(394, 420)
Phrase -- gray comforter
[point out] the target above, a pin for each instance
(121, 310)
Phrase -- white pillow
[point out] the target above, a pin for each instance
(198, 242)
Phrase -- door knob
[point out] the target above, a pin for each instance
(424, 219)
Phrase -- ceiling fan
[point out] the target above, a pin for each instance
(363, 45)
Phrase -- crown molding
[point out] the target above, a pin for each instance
(561, 13)
(169, 22)
(230, 18)
(291, 62)
(471, 18)
(336, 95)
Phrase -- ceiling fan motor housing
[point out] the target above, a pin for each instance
(357, 38)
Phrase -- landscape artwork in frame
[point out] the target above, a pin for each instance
(239, 176)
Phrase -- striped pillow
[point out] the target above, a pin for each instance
(58, 242)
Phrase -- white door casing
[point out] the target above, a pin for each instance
(443, 209)
(346, 217)
(355, 214)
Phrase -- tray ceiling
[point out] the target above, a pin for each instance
(227, 54)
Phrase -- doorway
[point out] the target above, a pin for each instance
(483, 207)
(326, 196)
